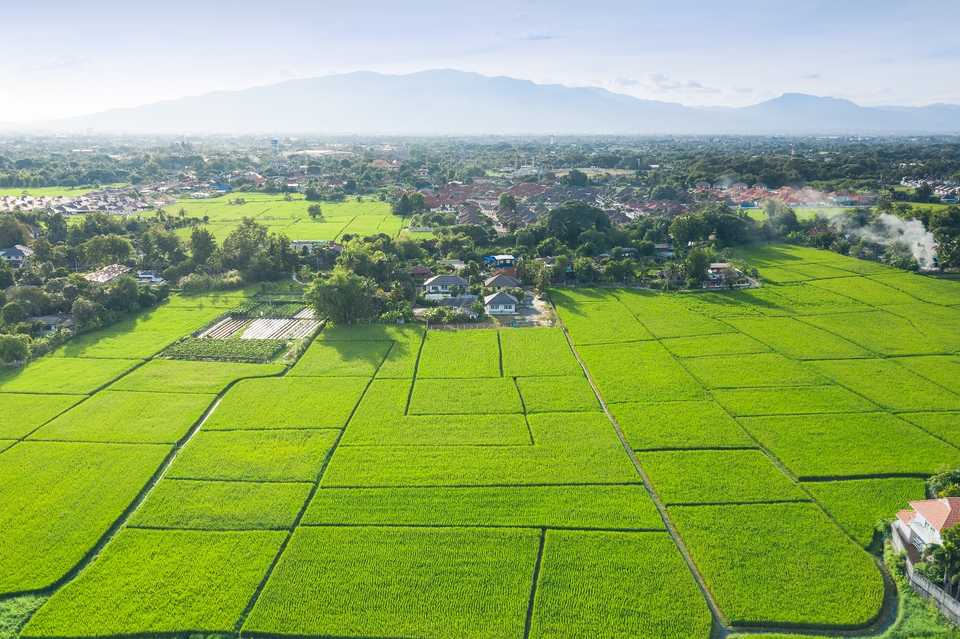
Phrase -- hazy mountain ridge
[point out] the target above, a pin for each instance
(459, 103)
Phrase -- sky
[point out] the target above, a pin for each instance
(60, 58)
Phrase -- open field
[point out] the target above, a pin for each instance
(396, 482)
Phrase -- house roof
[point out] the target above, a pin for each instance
(17, 250)
(502, 279)
(446, 280)
(106, 274)
(942, 514)
(906, 516)
(499, 298)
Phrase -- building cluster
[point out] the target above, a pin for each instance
(125, 201)
(452, 290)
(742, 196)
(947, 191)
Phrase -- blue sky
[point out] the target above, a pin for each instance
(61, 58)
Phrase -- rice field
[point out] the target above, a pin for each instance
(397, 482)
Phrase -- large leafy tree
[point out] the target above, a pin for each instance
(344, 297)
(570, 219)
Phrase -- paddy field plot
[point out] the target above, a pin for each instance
(178, 376)
(58, 499)
(679, 425)
(792, 400)
(150, 581)
(452, 354)
(859, 505)
(24, 413)
(601, 323)
(64, 375)
(328, 358)
(380, 582)
(886, 383)
(639, 372)
(557, 394)
(536, 353)
(616, 585)
(793, 338)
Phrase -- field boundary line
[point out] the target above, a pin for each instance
(416, 373)
(620, 529)
(718, 619)
(528, 622)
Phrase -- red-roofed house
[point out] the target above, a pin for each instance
(925, 521)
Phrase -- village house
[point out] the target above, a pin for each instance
(17, 255)
(106, 274)
(441, 287)
(500, 303)
(150, 278)
(501, 281)
(53, 323)
(925, 521)
(721, 275)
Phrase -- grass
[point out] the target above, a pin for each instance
(536, 353)
(326, 358)
(467, 353)
(288, 402)
(605, 584)
(723, 344)
(126, 416)
(791, 337)
(854, 444)
(221, 505)
(260, 455)
(790, 401)
(717, 476)
(762, 369)
(23, 413)
(149, 581)
(776, 564)
(693, 424)
(890, 385)
(176, 376)
(465, 397)
(64, 375)
(639, 372)
(557, 394)
(399, 582)
(58, 499)
(859, 505)
(621, 507)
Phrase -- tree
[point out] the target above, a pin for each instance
(202, 245)
(695, 266)
(14, 348)
(945, 226)
(13, 231)
(344, 297)
(13, 312)
(106, 249)
(585, 270)
(688, 228)
(576, 178)
(946, 557)
(316, 213)
(570, 219)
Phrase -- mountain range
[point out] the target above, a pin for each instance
(447, 102)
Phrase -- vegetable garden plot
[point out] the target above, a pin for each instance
(865, 290)
(150, 581)
(64, 375)
(57, 499)
(130, 417)
(625, 507)
(287, 402)
(639, 372)
(796, 339)
(225, 328)
(925, 288)
(326, 358)
(604, 584)
(601, 323)
(178, 376)
(859, 505)
(716, 476)
(667, 316)
(877, 331)
(889, 384)
(465, 397)
(467, 353)
(792, 401)
(852, 444)
(770, 564)
(692, 424)
(571, 448)
(762, 369)
(221, 505)
(942, 370)
(396, 582)
(283, 329)
(557, 394)
(943, 425)
(724, 344)
(256, 351)
(255, 455)
(23, 413)
(537, 352)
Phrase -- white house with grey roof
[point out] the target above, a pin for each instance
(441, 287)
(500, 304)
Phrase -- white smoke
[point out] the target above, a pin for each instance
(888, 229)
